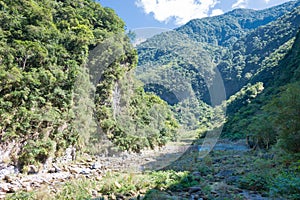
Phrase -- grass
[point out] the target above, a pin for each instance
(109, 186)
(276, 177)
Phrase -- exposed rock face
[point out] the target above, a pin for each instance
(8, 151)
(70, 155)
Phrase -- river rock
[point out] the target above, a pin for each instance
(52, 170)
(28, 188)
(75, 170)
(118, 185)
(32, 169)
(13, 188)
(96, 165)
(113, 196)
(8, 170)
(197, 176)
(57, 169)
(225, 173)
(70, 155)
(4, 187)
(232, 179)
(194, 189)
(85, 171)
(8, 178)
(2, 195)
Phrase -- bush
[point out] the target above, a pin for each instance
(254, 181)
(285, 109)
(286, 185)
(34, 152)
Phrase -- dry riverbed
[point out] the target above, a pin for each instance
(220, 170)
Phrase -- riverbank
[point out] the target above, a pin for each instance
(225, 173)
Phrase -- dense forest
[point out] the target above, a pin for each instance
(54, 95)
(70, 78)
(251, 49)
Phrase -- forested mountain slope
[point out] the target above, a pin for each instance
(246, 46)
(241, 58)
(226, 29)
(47, 97)
(252, 53)
(277, 105)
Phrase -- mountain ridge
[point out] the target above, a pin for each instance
(241, 18)
(247, 60)
(240, 60)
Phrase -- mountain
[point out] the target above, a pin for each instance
(225, 30)
(258, 46)
(250, 116)
(244, 46)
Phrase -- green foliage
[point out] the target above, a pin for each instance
(79, 189)
(261, 131)
(286, 185)
(83, 109)
(166, 179)
(34, 151)
(226, 29)
(249, 48)
(240, 44)
(133, 119)
(261, 118)
(46, 95)
(110, 185)
(277, 178)
(285, 108)
(243, 97)
(254, 182)
(21, 195)
(45, 91)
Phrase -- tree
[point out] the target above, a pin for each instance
(285, 108)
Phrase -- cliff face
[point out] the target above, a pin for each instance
(44, 48)
(60, 62)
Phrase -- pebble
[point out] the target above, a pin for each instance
(75, 170)
(52, 170)
(8, 178)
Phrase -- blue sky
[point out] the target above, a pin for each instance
(173, 13)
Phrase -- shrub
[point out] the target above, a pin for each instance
(254, 181)
(34, 152)
(286, 185)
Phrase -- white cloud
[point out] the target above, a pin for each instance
(267, 1)
(240, 4)
(216, 12)
(181, 10)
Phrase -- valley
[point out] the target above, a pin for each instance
(209, 110)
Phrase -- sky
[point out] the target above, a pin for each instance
(169, 14)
